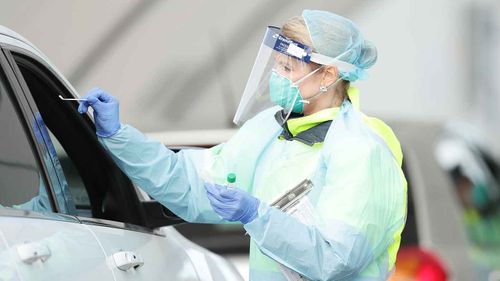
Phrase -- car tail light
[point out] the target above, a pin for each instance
(414, 263)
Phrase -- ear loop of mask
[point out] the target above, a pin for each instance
(296, 84)
(322, 90)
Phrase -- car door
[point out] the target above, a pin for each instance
(104, 198)
(37, 243)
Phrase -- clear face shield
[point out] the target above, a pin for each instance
(281, 67)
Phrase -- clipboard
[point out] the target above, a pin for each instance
(293, 196)
(289, 203)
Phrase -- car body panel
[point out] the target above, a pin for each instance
(160, 255)
(209, 265)
(75, 254)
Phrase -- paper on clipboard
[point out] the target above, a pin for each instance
(296, 204)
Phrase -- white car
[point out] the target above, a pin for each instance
(67, 211)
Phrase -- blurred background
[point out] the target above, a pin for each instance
(182, 66)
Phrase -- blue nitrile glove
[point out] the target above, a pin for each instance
(232, 204)
(106, 111)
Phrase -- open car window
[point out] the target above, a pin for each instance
(97, 187)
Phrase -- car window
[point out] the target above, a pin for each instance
(69, 177)
(74, 181)
(21, 184)
(97, 187)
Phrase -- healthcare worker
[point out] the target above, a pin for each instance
(300, 120)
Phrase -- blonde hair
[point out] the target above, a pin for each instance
(295, 28)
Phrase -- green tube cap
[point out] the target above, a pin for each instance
(231, 178)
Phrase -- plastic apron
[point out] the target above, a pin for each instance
(267, 167)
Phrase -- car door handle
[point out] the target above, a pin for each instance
(125, 260)
(32, 252)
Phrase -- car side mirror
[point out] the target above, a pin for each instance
(157, 215)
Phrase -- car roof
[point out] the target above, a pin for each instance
(9, 32)
(8, 37)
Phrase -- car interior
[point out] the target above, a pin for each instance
(111, 194)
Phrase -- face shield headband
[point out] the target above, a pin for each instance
(256, 96)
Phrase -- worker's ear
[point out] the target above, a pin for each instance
(330, 75)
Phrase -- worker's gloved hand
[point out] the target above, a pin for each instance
(106, 111)
(232, 204)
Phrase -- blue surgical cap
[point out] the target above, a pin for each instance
(333, 35)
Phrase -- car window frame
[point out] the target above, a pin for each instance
(24, 114)
(30, 114)
(30, 104)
